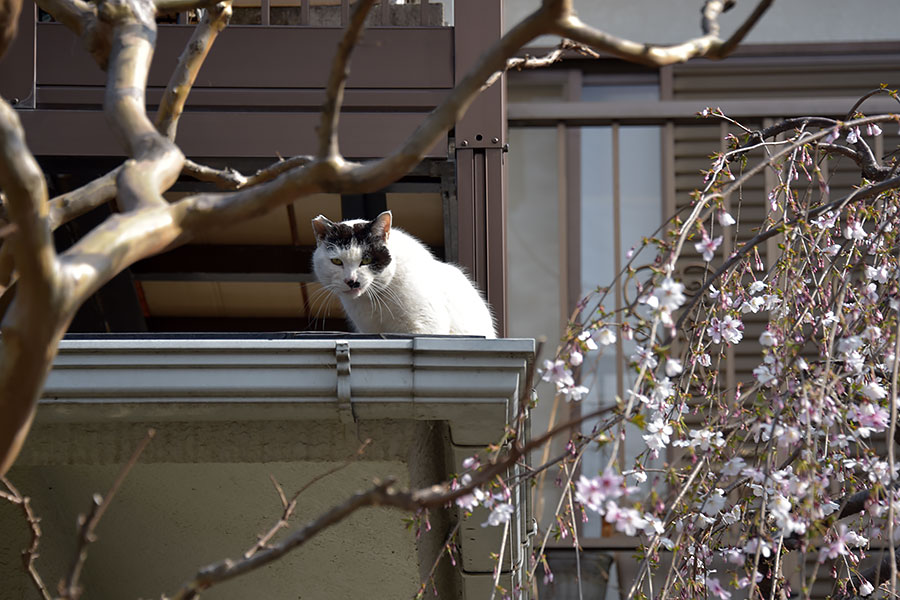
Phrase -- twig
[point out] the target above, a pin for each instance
(382, 494)
(232, 179)
(176, 6)
(868, 95)
(30, 554)
(70, 590)
(858, 194)
(448, 548)
(288, 506)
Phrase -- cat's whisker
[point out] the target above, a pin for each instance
(318, 303)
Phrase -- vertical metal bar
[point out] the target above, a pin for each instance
(423, 12)
(479, 212)
(385, 13)
(304, 12)
(495, 231)
(572, 174)
(666, 83)
(465, 194)
(265, 19)
(617, 259)
(667, 138)
(562, 226)
(345, 13)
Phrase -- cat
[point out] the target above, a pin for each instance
(389, 282)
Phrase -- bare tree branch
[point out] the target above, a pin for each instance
(866, 96)
(176, 6)
(9, 21)
(189, 63)
(24, 353)
(340, 70)
(708, 45)
(30, 554)
(71, 205)
(381, 494)
(230, 179)
(857, 195)
(157, 161)
(288, 506)
(82, 19)
(74, 14)
(71, 590)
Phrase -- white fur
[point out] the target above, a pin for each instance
(415, 293)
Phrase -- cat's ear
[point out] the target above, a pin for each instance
(381, 225)
(321, 226)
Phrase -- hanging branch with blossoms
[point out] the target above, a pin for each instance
(799, 456)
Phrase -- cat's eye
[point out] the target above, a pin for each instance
(337, 261)
(367, 260)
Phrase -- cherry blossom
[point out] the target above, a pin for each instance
(707, 247)
(714, 587)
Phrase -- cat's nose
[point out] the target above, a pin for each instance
(352, 283)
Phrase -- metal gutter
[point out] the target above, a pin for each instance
(471, 383)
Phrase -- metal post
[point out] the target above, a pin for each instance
(481, 169)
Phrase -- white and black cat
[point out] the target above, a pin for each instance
(389, 282)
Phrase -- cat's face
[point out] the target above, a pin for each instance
(351, 257)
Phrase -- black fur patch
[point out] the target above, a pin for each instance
(381, 257)
(343, 235)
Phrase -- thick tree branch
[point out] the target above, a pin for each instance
(82, 19)
(74, 14)
(9, 20)
(708, 45)
(157, 161)
(340, 70)
(26, 195)
(30, 328)
(172, 104)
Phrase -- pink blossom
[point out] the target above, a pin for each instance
(501, 514)
(725, 219)
(558, 372)
(673, 367)
(627, 520)
(707, 247)
(593, 492)
(714, 587)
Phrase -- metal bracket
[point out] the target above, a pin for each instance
(344, 403)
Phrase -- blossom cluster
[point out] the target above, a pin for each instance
(765, 396)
